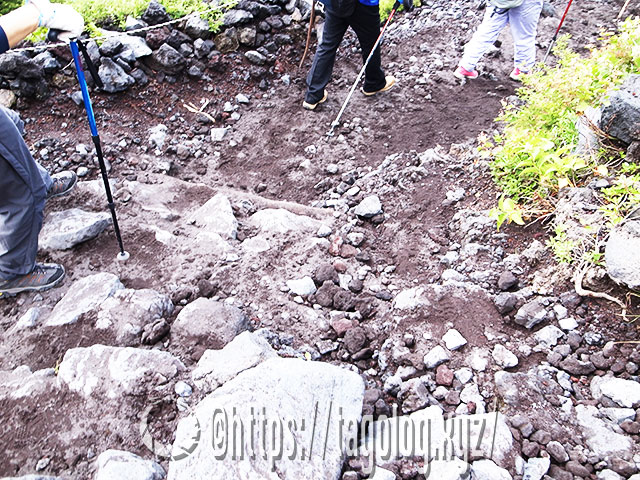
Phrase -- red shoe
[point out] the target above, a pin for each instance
(462, 73)
(517, 74)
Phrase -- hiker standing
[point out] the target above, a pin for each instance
(364, 17)
(24, 184)
(523, 17)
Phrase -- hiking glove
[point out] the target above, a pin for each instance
(57, 16)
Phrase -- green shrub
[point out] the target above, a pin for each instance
(532, 158)
(7, 5)
(387, 5)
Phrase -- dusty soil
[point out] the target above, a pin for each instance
(264, 164)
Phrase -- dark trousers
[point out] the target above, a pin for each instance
(365, 21)
(23, 189)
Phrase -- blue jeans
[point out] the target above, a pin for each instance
(23, 190)
(365, 21)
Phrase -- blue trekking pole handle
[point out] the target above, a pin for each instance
(75, 52)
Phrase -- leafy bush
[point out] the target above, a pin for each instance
(533, 156)
(7, 5)
(387, 5)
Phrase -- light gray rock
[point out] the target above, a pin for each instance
(599, 437)
(84, 296)
(21, 382)
(303, 286)
(503, 357)
(383, 474)
(625, 393)
(622, 254)
(117, 464)
(478, 360)
(280, 221)
(105, 372)
(236, 17)
(158, 135)
(255, 57)
(536, 468)
(257, 244)
(218, 134)
(453, 339)
(451, 469)
(32, 477)
(113, 76)
(410, 299)
(531, 314)
(368, 207)
(30, 319)
(128, 311)
(588, 140)
(464, 375)
(137, 45)
(212, 323)
(488, 470)
(548, 336)
(67, 228)
(484, 435)
(289, 390)
(217, 216)
(216, 367)
(618, 415)
(436, 356)
(568, 324)
(607, 474)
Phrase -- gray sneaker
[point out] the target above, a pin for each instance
(63, 183)
(43, 277)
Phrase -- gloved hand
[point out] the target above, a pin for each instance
(57, 16)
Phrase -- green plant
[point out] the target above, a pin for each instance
(506, 211)
(7, 5)
(387, 5)
(561, 245)
(533, 157)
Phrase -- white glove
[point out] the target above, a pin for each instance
(57, 16)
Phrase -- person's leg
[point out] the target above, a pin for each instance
(486, 34)
(365, 21)
(322, 66)
(22, 198)
(524, 26)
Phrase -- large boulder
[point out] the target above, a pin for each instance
(621, 118)
(217, 217)
(216, 367)
(67, 228)
(279, 220)
(622, 254)
(84, 296)
(604, 439)
(284, 393)
(207, 322)
(117, 464)
(128, 311)
(105, 372)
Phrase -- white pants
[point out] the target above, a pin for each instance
(524, 24)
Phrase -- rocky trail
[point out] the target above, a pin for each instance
(281, 273)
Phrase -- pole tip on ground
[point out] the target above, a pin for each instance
(123, 256)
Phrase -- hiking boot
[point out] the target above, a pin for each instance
(464, 74)
(312, 106)
(43, 277)
(390, 82)
(63, 183)
(517, 74)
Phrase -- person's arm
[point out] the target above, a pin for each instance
(16, 25)
(19, 23)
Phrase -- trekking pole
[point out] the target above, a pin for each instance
(555, 36)
(75, 51)
(336, 122)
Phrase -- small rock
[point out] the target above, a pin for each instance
(436, 356)
(303, 287)
(369, 207)
(503, 357)
(507, 280)
(453, 339)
